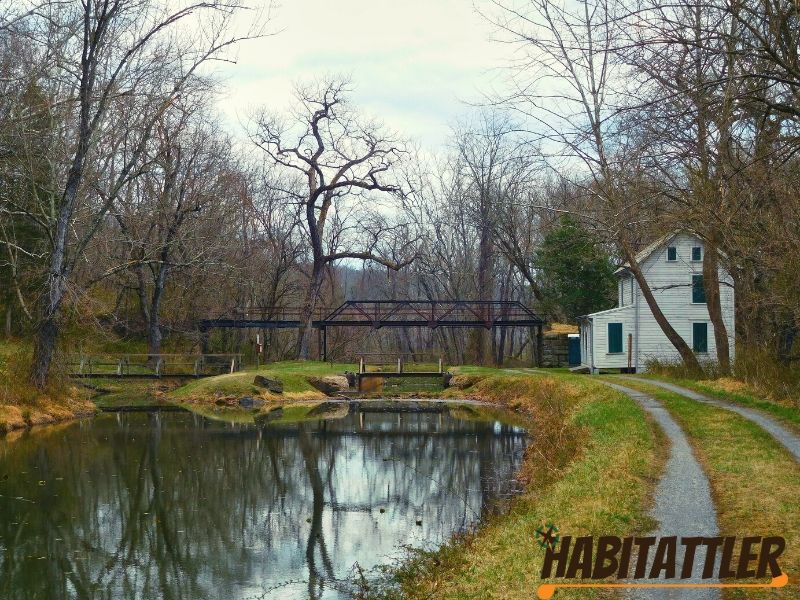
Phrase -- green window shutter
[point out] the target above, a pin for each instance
(672, 254)
(698, 290)
(697, 253)
(700, 337)
(614, 337)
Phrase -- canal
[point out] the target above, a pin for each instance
(173, 505)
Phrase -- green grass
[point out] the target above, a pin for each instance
(603, 489)
(755, 481)
(292, 373)
(790, 415)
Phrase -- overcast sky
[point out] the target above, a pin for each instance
(413, 63)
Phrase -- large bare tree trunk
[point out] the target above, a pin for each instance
(689, 359)
(307, 314)
(711, 285)
(154, 334)
(46, 337)
(485, 281)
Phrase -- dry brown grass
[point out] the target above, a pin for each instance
(562, 328)
(22, 405)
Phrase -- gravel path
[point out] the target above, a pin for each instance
(683, 504)
(789, 439)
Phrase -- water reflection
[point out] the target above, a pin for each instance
(175, 506)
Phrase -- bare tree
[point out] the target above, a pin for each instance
(173, 217)
(495, 168)
(565, 89)
(113, 49)
(346, 162)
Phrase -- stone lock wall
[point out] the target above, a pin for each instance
(555, 351)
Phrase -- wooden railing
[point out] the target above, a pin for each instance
(152, 365)
(411, 362)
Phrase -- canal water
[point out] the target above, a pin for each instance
(175, 506)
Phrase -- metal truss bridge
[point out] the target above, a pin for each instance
(388, 313)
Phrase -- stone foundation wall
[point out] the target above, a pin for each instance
(555, 350)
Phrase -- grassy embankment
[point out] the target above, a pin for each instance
(208, 396)
(755, 481)
(22, 405)
(591, 469)
(787, 410)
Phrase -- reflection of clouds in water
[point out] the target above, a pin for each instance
(173, 505)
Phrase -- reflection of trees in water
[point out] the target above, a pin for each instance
(173, 506)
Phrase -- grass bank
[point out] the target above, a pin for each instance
(738, 392)
(755, 481)
(22, 405)
(292, 374)
(211, 396)
(590, 470)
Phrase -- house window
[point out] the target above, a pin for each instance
(698, 290)
(672, 254)
(700, 337)
(697, 253)
(615, 338)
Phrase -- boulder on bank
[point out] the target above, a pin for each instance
(446, 378)
(269, 383)
(329, 385)
(352, 378)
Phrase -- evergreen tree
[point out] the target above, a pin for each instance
(577, 275)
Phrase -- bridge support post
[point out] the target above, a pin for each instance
(203, 340)
(539, 346)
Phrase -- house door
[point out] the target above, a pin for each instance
(574, 351)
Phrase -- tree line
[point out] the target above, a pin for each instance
(126, 208)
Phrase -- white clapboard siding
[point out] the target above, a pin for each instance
(671, 284)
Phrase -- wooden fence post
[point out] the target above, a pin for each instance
(630, 351)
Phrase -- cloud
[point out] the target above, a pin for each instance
(413, 63)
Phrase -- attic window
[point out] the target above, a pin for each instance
(672, 254)
(697, 253)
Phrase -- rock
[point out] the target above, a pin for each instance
(330, 385)
(248, 402)
(270, 384)
(351, 378)
(446, 377)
